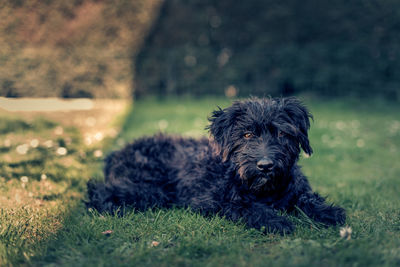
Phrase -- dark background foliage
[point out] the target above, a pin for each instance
(116, 48)
(269, 47)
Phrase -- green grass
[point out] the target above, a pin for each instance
(355, 164)
(38, 186)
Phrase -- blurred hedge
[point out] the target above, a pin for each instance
(270, 47)
(77, 48)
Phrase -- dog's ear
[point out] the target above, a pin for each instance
(222, 123)
(300, 117)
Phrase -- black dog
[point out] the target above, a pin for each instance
(246, 171)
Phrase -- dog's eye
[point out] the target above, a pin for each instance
(248, 135)
(280, 133)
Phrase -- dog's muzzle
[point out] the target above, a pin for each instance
(265, 165)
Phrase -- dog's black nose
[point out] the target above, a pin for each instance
(265, 164)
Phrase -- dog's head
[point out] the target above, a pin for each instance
(262, 137)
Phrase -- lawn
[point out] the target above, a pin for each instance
(355, 164)
(41, 170)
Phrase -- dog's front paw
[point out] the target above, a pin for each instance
(332, 215)
(278, 224)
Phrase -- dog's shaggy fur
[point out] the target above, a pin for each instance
(246, 171)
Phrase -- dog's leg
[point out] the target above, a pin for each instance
(99, 197)
(314, 206)
(259, 216)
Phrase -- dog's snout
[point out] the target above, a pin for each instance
(265, 164)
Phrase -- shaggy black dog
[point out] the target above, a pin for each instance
(246, 171)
